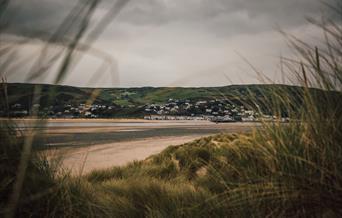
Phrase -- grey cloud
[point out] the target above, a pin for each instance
(286, 12)
(218, 16)
(225, 17)
(157, 42)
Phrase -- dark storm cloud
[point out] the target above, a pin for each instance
(158, 42)
(34, 17)
(233, 16)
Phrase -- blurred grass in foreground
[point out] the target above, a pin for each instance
(291, 170)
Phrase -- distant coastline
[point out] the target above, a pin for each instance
(78, 119)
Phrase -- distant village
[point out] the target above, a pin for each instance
(215, 110)
(63, 111)
(174, 109)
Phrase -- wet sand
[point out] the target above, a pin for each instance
(76, 134)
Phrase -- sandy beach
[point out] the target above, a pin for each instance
(82, 160)
(88, 144)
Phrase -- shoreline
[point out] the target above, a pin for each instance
(78, 119)
(122, 120)
(104, 120)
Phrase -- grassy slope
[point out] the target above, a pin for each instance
(22, 93)
(222, 175)
(256, 97)
(257, 175)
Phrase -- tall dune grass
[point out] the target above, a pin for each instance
(29, 185)
(280, 170)
(295, 169)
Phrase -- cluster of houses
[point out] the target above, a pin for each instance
(61, 111)
(215, 110)
(81, 110)
(218, 110)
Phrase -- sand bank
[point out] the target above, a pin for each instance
(85, 159)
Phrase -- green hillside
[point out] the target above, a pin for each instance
(132, 102)
(23, 93)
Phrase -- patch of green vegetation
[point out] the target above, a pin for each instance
(161, 95)
(122, 102)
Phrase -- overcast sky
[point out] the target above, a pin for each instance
(170, 42)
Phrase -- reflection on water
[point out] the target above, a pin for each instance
(82, 133)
